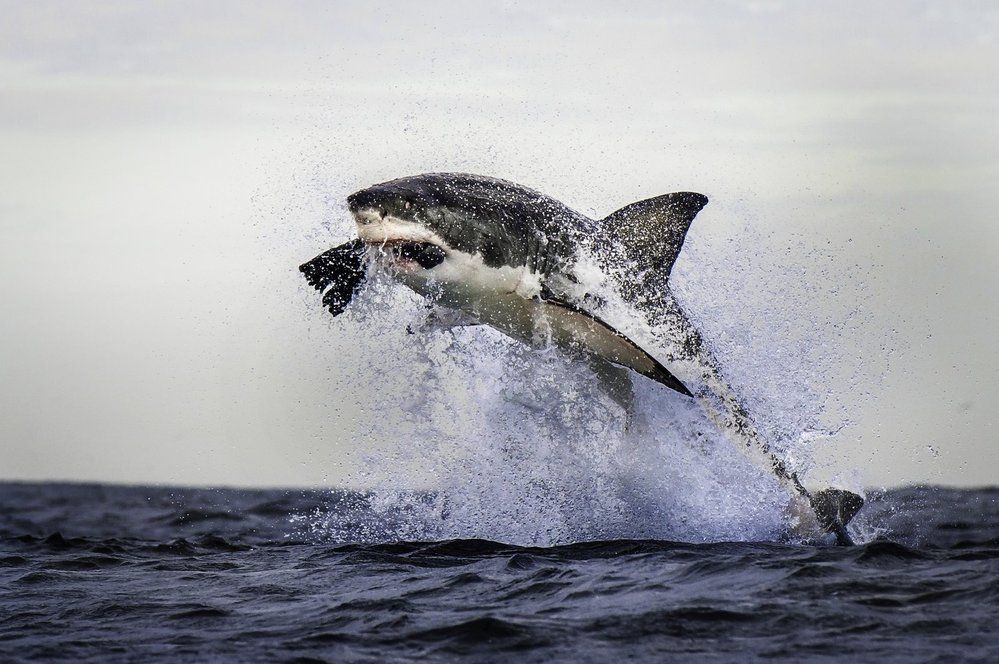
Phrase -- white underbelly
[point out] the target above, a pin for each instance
(534, 321)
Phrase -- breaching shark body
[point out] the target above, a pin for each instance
(487, 251)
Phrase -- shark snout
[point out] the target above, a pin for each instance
(364, 199)
(368, 216)
(389, 199)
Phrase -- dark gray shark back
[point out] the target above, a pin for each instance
(506, 223)
(512, 225)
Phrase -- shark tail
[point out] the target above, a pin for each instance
(647, 237)
(832, 508)
(835, 508)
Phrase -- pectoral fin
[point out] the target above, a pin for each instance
(615, 382)
(573, 325)
(443, 319)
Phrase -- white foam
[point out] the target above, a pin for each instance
(522, 446)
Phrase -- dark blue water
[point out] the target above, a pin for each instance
(106, 573)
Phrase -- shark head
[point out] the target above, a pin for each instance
(401, 230)
(426, 220)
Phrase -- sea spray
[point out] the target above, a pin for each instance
(519, 444)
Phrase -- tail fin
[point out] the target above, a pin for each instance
(340, 270)
(835, 508)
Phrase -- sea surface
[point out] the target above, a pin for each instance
(107, 573)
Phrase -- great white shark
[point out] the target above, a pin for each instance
(487, 251)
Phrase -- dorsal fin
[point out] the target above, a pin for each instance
(651, 232)
(639, 244)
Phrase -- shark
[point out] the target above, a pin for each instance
(486, 251)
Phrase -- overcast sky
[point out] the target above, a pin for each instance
(166, 166)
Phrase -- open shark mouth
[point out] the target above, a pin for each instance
(403, 243)
(340, 272)
(425, 254)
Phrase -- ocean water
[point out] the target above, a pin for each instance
(108, 573)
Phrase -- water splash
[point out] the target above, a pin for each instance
(472, 434)
(521, 445)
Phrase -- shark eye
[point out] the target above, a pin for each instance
(426, 254)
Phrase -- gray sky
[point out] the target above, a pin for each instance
(165, 167)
